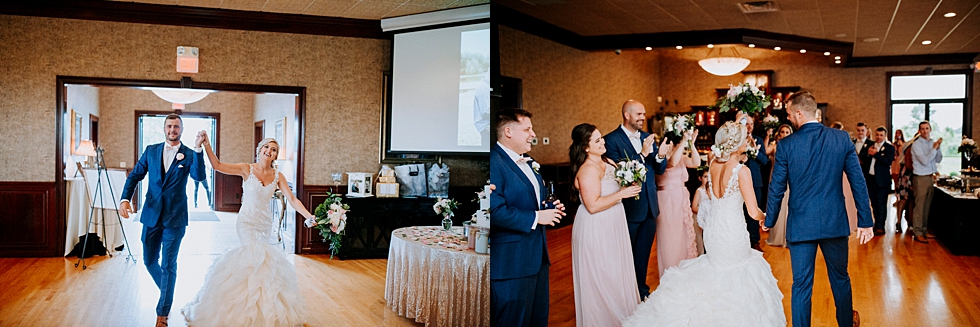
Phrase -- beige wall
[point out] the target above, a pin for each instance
(118, 122)
(564, 87)
(342, 76)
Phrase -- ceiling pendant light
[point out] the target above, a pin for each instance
(724, 65)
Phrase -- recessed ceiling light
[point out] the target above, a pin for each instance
(836, 57)
(871, 39)
(840, 35)
(649, 48)
(950, 14)
(751, 45)
(837, 62)
(926, 42)
(802, 50)
(826, 53)
(679, 47)
(711, 46)
(777, 48)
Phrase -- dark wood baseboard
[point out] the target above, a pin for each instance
(33, 222)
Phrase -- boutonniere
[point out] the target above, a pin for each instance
(180, 156)
(536, 167)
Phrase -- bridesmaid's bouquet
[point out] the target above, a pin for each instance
(331, 218)
(629, 172)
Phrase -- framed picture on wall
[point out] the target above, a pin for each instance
(76, 130)
(281, 137)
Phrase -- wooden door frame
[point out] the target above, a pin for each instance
(258, 124)
(61, 111)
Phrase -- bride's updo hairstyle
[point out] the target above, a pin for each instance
(263, 143)
(729, 138)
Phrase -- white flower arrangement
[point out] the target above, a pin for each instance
(445, 207)
(331, 220)
(744, 97)
(629, 172)
(751, 152)
(770, 122)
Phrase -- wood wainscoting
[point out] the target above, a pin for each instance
(227, 192)
(32, 219)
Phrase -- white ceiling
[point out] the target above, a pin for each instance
(899, 25)
(363, 9)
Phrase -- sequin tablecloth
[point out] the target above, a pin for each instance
(435, 280)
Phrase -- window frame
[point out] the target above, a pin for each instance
(967, 101)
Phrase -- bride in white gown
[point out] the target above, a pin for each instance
(731, 285)
(253, 284)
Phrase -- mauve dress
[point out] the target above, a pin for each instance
(675, 225)
(602, 263)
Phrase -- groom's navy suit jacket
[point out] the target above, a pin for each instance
(618, 147)
(518, 250)
(812, 162)
(166, 195)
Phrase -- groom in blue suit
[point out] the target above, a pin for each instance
(164, 214)
(519, 273)
(812, 162)
(630, 142)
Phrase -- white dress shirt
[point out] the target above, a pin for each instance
(858, 144)
(925, 157)
(169, 154)
(527, 173)
(634, 139)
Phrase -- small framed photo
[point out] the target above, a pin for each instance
(359, 184)
(76, 130)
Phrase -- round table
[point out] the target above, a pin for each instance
(434, 279)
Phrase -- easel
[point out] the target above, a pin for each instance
(100, 163)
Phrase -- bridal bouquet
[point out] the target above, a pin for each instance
(629, 172)
(680, 124)
(331, 218)
(744, 97)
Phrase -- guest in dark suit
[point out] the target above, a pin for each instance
(164, 214)
(861, 145)
(882, 153)
(519, 273)
(630, 142)
(755, 167)
(811, 162)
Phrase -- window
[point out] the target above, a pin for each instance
(942, 98)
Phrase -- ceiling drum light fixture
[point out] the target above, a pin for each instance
(724, 65)
(181, 96)
(950, 14)
(926, 42)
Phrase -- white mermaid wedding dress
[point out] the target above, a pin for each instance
(731, 285)
(253, 284)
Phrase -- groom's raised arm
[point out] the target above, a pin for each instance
(777, 184)
(139, 171)
(197, 167)
(859, 188)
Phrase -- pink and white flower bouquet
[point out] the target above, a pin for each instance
(331, 219)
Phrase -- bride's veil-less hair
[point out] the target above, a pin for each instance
(263, 143)
(581, 136)
(729, 138)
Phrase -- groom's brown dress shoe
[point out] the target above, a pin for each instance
(857, 319)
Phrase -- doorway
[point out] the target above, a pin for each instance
(200, 199)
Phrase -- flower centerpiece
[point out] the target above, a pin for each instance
(629, 172)
(444, 208)
(968, 148)
(330, 219)
(744, 97)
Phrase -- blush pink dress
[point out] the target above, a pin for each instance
(675, 225)
(602, 263)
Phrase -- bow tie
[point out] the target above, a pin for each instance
(169, 148)
(634, 136)
(524, 160)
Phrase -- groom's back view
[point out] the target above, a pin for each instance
(812, 162)
(164, 214)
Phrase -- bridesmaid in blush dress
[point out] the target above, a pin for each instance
(602, 258)
(675, 225)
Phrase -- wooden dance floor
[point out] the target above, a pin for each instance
(895, 281)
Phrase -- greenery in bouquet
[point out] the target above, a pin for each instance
(744, 97)
(445, 207)
(629, 172)
(331, 220)
(676, 126)
(967, 146)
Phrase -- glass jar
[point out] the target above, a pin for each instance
(447, 222)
